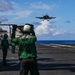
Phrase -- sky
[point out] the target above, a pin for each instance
(24, 11)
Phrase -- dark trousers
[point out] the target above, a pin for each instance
(4, 55)
(29, 65)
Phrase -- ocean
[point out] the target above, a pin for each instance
(55, 42)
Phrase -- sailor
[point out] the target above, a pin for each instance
(5, 46)
(27, 51)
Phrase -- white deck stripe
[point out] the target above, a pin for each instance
(59, 45)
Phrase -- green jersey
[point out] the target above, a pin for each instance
(26, 45)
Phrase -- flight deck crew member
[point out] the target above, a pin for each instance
(27, 51)
(4, 46)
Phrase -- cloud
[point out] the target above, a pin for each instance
(18, 11)
(2, 19)
(37, 23)
(43, 6)
(68, 22)
(16, 14)
(43, 28)
(22, 14)
(46, 28)
(15, 5)
(5, 6)
(58, 32)
(21, 11)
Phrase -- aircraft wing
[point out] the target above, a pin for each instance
(52, 17)
(40, 17)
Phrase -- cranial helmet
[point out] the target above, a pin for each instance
(28, 28)
(5, 36)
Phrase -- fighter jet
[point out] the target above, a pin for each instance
(46, 17)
